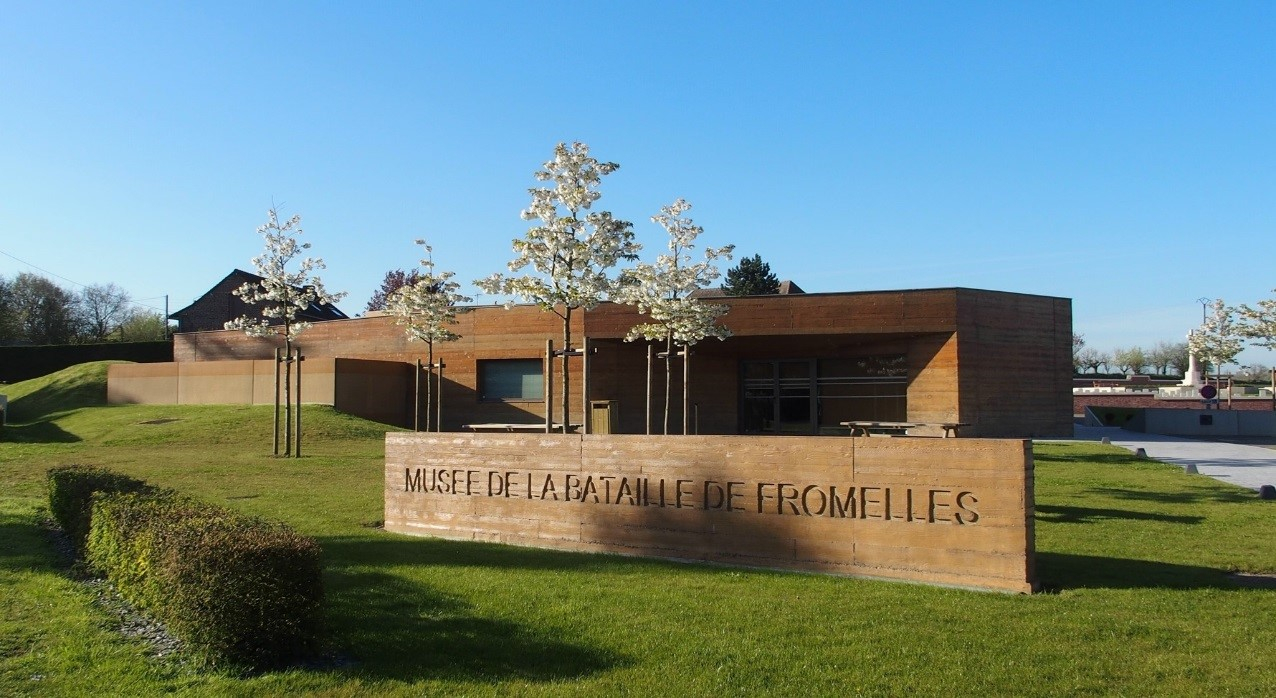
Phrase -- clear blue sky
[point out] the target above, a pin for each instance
(1119, 154)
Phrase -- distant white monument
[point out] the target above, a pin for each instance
(1193, 376)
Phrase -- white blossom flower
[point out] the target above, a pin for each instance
(426, 308)
(282, 293)
(1217, 340)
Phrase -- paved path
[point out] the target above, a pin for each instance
(1246, 466)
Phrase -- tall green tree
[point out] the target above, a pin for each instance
(10, 326)
(143, 326)
(45, 312)
(751, 277)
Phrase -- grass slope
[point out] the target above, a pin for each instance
(1134, 556)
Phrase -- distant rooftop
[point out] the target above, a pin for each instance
(786, 287)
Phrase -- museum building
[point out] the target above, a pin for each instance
(796, 364)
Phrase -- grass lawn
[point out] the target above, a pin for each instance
(1134, 556)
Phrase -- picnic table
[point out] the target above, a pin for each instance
(501, 426)
(901, 428)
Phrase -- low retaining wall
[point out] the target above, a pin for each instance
(941, 511)
(1099, 401)
(376, 390)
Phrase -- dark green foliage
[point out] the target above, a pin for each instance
(751, 277)
(235, 589)
(71, 490)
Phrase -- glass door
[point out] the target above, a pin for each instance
(779, 397)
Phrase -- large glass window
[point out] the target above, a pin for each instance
(511, 379)
(809, 396)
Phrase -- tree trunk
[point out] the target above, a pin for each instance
(567, 347)
(287, 397)
(429, 384)
(668, 381)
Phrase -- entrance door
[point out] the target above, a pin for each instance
(778, 397)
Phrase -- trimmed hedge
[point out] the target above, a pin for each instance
(71, 490)
(236, 590)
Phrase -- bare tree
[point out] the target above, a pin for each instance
(103, 308)
(1088, 358)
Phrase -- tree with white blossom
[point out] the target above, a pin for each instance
(282, 294)
(663, 292)
(1259, 323)
(426, 308)
(571, 249)
(1217, 339)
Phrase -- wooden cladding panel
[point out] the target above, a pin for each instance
(954, 511)
(810, 313)
(1016, 363)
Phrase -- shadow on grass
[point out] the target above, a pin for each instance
(399, 629)
(42, 432)
(63, 394)
(1060, 571)
(1066, 514)
(396, 549)
(1183, 497)
(1123, 458)
(24, 546)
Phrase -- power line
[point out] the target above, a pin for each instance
(77, 283)
(46, 271)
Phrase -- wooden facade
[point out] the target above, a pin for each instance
(1000, 362)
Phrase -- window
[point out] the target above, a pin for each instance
(511, 379)
(809, 396)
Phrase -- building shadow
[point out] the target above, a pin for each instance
(1068, 514)
(1121, 458)
(1064, 571)
(1226, 496)
(391, 627)
(41, 432)
(405, 549)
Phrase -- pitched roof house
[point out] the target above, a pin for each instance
(220, 305)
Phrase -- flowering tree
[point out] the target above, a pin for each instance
(1259, 324)
(663, 291)
(1216, 340)
(571, 249)
(425, 307)
(282, 294)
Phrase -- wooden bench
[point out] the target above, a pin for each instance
(951, 429)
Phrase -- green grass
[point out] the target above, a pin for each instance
(1134, 556)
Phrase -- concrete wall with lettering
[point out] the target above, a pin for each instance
(941, 511)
